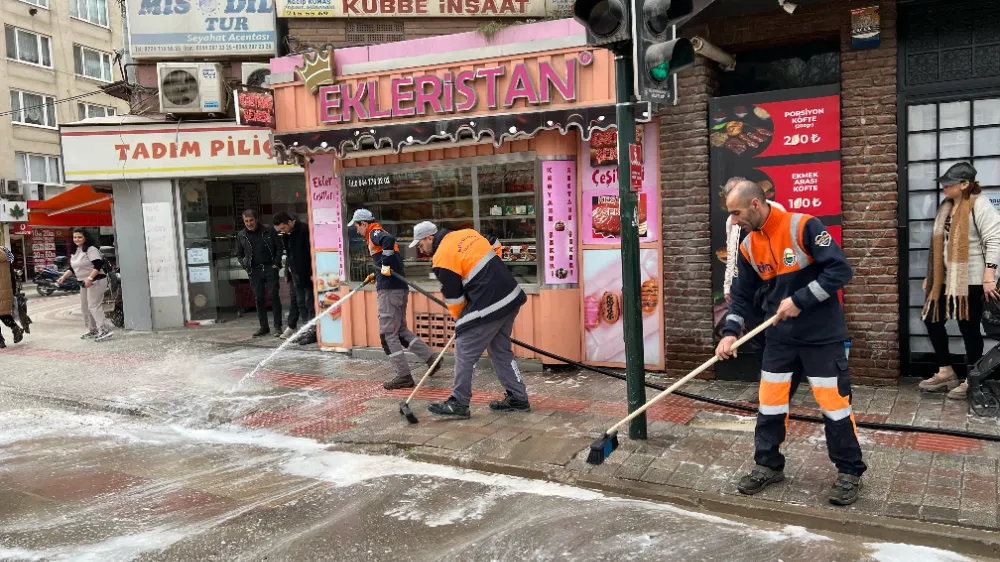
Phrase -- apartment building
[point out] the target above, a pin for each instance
(57, 57)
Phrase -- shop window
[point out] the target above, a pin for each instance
(798, 66)
(937, 136)
(373, 32)
(496, 199)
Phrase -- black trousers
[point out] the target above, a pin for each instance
(302, 301)
(259, 277)
(971, 334)
(826, 368)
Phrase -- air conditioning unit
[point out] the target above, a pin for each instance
(255, 74)
(12, 187)
(192, 87)
(34, 191)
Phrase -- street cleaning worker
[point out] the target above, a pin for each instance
(805, 268)
(484, 298)
(392, 296)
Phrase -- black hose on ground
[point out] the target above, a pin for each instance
(725, 403)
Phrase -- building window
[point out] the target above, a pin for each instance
(38, 168)
(93, 11)
(937, 136)
(39, 3)
(28, 47)
(490, 196)
(32, 109)
(92, 64)
(86, 111)
(373, 33)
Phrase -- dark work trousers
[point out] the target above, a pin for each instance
(971, 335)
(293, 305)
(492, 337)
(825, 367)
(302, 300)
(259, 277)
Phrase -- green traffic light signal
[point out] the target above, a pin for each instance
(660, 71)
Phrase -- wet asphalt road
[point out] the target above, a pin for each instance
(104, 487)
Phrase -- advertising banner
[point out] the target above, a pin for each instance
(331, 329)
(560, 239)
(604, 328)
(424, 8)
(789, 143)
(206, 28)
(324, 203)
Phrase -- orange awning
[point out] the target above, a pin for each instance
(80, 206)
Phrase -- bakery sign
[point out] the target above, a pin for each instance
(423, 8)
(496, 87)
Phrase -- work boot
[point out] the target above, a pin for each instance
(510, 404)
(960, 392)
(435, 368)
(400, 381)
(944, 379)
(261, 332)
(449, 408)
(845, 489)
(758, 479)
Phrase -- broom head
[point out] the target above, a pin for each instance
(404, 410)
(602, 448)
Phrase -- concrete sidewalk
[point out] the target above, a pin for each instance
(695, 452)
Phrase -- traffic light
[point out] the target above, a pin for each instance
(658, 55)
(607, 21)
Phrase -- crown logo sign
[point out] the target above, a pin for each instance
(318, 69)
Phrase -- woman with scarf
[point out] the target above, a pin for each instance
(961, 272)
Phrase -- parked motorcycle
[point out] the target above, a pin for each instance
(46, 282)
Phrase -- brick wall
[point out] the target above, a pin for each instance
(315, 32)
(868, 130)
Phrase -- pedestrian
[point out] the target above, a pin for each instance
(87, 263)
(259, 252)
(299, 263)
(392, 296)
(805, 268)
(20, 312)
(484, 297)
(961, 272)
(8, 295)
(292, 323)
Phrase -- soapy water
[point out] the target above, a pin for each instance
(299, 500)
(301, 331)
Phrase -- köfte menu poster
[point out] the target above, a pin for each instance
(788, 141)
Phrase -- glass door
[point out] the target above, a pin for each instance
(200, 276)
(937, 136)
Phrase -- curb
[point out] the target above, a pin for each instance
(963, 540)
(93, 404)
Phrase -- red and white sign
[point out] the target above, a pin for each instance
(813, 188)
(20, 229)
(162, 150)
(803, 126)
(635, 166)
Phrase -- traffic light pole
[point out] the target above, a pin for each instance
(635, 373)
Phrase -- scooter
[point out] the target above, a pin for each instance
(47, 282)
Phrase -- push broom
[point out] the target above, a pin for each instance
(603, 447)
(404, 406)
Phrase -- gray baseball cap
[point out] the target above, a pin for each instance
(363, 215)
(963, 171)
(421, 231)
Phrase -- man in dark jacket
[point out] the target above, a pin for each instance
(805, 267)
(299, 263)
(259, 252)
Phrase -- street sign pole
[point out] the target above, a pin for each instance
(635, 374)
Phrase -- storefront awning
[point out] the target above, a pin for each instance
(80, 206)
(500, 127)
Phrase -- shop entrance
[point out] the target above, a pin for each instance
(212, 215)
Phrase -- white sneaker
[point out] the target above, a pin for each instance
(104, 335)
(287, 333)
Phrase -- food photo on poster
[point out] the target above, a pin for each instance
(604, 328)
(327, 294)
